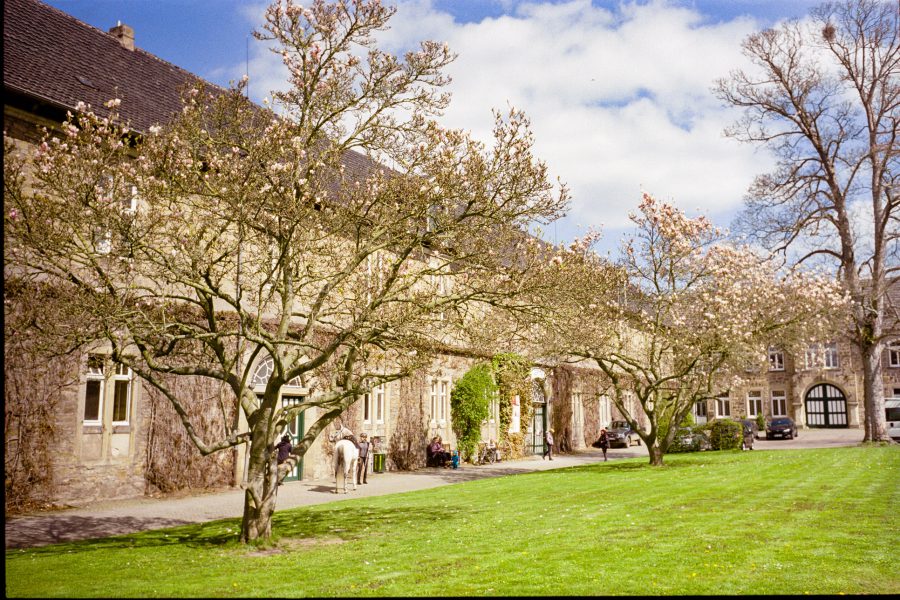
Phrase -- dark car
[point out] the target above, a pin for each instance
(689, 440)
(782, 427)
(620, 433)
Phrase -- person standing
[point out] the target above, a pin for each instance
(363, 462)
(604, 442)
(548, 444)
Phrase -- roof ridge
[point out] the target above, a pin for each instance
(144, 52)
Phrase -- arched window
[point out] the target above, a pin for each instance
(264, 371)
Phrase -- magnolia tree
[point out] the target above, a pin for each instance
(236, 234)
(691, 313)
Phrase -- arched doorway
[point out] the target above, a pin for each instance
(826, 406)
(534, 442)
(291, 395)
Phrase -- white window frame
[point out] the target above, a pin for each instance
(832, 361)
(368, 413)
(98, 374)
(779, 403)
(696, 410)
(893, 349)
(723, 402)
(122, 374)
(439, 394)
(754, 403)
(493, 408)
(444, 398)
(776, 359)
(830, 358)
(130, 204)
(379, 393)
(440, 284)
(102, 241)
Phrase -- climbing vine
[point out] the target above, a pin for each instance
(512, 375)
(469, 406)
(562, 403)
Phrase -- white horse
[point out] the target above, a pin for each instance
(346, 455)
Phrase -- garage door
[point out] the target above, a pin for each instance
(826, 406)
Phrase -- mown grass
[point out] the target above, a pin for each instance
(781, 522)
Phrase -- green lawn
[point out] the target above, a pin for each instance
(779, 522)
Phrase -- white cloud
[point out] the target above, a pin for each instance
(619, 99)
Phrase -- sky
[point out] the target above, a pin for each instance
(618, 92)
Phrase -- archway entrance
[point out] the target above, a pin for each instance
(534, 443)
(291, 395)
(826, 406)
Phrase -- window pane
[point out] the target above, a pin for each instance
(379, 404)
(120, 402)
(92, 400)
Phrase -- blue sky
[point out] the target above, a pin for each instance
(618, 92)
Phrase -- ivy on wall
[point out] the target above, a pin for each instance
(561, 415)
(469, 406)
(406, 447)
(512, 374)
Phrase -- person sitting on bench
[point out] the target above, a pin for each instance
(437, 456)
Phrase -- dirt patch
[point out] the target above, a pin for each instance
(293, 544)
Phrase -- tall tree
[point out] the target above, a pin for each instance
(237, 235)
(824, 97)
(690, 315)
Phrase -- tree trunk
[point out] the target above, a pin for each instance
(259, 496)
(873, 393)
(656, 453)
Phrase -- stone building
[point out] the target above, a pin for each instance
(821, 388)
(96, 433)
(108, 436)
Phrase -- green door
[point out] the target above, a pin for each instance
(534, 441)
(295, 430)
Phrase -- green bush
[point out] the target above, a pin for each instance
(469, 406)
(761, 422)
(725, 434)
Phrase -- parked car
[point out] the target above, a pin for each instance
(621, 433)
(892, 416)
(688, 440)
(783, 427)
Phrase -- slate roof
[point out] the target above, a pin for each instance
(52, 56)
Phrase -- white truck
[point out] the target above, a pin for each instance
(892, 416)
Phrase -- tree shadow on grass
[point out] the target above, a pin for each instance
(308, 523)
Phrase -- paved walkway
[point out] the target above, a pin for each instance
(102, 519)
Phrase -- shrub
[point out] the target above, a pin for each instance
(725, 434)
(469, 402)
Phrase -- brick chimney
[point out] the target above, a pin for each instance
(124, 34)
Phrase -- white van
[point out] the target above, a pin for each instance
(892, 416)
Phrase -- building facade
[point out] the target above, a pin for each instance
(104, 435)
